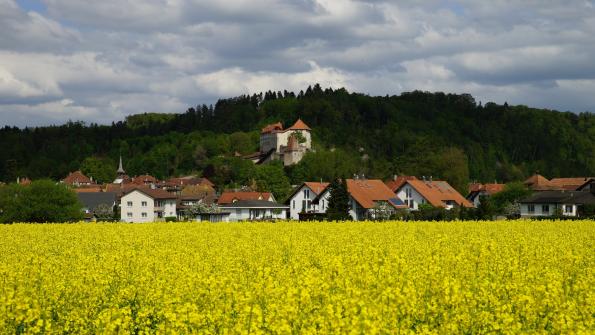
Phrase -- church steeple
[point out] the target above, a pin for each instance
(120, 171)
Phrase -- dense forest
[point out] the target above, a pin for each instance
(446, 136)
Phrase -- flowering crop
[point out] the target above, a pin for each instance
(281, 278)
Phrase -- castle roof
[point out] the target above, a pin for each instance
(299, 125)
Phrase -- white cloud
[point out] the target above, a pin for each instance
(110, 58)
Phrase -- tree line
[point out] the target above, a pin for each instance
(446, 136)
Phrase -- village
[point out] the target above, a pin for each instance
(144, 198)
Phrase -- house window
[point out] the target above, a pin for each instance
(129, 215)
(294, 204)
(309, 204)
(303, 205)
(144, 204)
(568, 209)
(306, 194)
(545, 209)
(143, 214)
(408, 192)
(406, 202)
(411, 204)
(322, 201)
(531, 208)
(129, 203)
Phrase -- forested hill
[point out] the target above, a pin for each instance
(444, 135)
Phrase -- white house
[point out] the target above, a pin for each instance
(248, 210)
(302, 199)
(147, 205)
(549, 203)
(366, 198)
(436, 193)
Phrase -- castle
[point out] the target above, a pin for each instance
(288, 145)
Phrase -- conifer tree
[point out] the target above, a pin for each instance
(338, 205)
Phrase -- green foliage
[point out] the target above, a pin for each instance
(104, 212)
(103, 170)
(271, 178)
(338, 203)
(447, 136)
(512, 193)
(42, 201)
(324, 165)
(486, 209)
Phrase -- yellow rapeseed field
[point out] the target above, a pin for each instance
(281, 278)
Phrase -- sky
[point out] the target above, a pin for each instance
(99, 61)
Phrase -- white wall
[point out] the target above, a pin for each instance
(296, 204)
(244, 214)
(416, 198)
(552, 210)
(137, 209)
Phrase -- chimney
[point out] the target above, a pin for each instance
(394, 177)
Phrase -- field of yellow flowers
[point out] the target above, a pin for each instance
(281, 278)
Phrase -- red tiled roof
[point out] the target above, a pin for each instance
(153, 193)
(88, 189)
(367, 191)
(299, 125)
(272, 127)
(538, 182)
(144, 179)
(437, 192)
(570, 184)
(316, 187)
(395, 184)
(490, 189)
(75, 178)
(229, 197)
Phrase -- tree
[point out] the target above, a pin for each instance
(104, 212)
(485, 210)
(271, 178)
(512, 193)
(338, 203)
(103, 170)
(42, 201)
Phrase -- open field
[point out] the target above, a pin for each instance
(391, 277)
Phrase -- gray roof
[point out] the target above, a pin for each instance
(254, 204)
(91, 200)
(560, 197)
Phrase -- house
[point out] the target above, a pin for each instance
(288, 145)
(302, 199)
(229, 197)
(249, 210)
(186, 202)
(477, 191)
(367, 197)
(92, 200)
(437, 193)
(538, 182)
(143, 204)
(398, 181)
(549, 203)
(77, 179)
(145, 179)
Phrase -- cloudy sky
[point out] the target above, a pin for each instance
(98, 61)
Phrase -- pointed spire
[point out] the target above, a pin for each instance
(120, 168)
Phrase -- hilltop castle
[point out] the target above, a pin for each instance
(288, 145)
